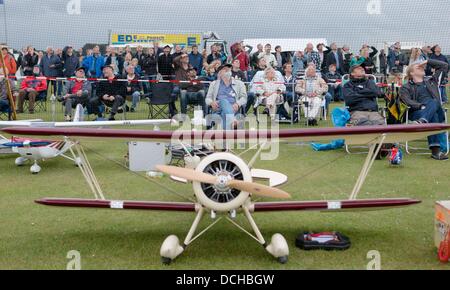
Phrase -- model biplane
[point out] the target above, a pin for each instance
(223, 183)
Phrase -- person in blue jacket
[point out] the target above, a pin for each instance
(94, 63)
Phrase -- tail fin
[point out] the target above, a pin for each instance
(79, 114)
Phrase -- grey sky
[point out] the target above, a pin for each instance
(46, 22)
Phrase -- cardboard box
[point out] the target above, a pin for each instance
(442, 223)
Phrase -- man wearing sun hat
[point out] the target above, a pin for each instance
(226, 96)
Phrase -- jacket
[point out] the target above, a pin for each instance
(71, 63)
(94, 65)
(331, 59)
(320, 87)
(111, 88)
(87, 88)
(120, 63)
(10, 64)
(149, 65)
(51, 66)
(135, 85)
(165, 64)
(28, 62)
(408, 92)
(238, 87)
(361, 95)
(38, 85)
(196, 60)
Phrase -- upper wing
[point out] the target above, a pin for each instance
(40, 124)
(352, 135)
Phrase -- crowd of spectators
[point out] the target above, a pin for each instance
(276, 79)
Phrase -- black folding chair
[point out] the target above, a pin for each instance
(159, 100)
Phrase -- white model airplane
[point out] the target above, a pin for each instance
(36, 150)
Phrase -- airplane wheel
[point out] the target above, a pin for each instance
(20, 161)
(35, 169)
(166, 261)
(283, 260)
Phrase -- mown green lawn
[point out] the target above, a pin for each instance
(38, 237)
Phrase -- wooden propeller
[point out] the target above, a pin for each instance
(253, 188)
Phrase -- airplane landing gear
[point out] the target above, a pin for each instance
(279, 248)
(35, 168)
(170, 249)
(20, 161)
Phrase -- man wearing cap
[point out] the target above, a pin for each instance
(76, 92)
(165, 63)
(226, 96)
(361, 96)
(423, 97)
(111, 91)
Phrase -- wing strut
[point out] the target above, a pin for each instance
(85, 167)
(374, 149)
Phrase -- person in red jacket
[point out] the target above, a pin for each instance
(30, 89)
(9, 60)
(243, 58)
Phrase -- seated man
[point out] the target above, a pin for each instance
(226, 96)
(270, 92)
(30, 89)
(312, 90)
(333, 79)
(193, 92)
(111, 92)
(361, 96)
(134, 87)
(76, 92)
(423, 97)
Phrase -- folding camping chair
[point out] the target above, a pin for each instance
(159, 100)
(40, 104)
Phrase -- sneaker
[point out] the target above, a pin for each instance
(111, 118)
(133, 110)
(441, 156)
(67, 118)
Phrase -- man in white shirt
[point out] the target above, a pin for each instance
(271, 61)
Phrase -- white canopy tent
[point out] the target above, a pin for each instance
(287, 44)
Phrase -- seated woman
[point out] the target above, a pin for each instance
(312, 90)
(270, 92)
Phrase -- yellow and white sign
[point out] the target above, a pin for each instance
(145, 39)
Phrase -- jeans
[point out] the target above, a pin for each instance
(444, 94)
(135, 99)
(197, 98)
(250, 101)
(227, 114)
(4, 105)
(433, 113)
(336, 93)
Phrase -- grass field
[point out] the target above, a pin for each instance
(38, 237)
